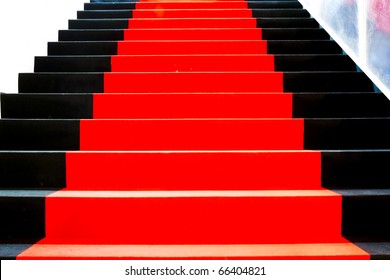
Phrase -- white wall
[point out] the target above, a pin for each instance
(362, 29)
(25, 28)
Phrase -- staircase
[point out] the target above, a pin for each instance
(194, 130)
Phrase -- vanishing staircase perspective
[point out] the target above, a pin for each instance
(194, 130)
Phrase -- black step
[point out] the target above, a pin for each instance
(279, 13)
(83, 48)
(32, 170)
(303, 47)
(98, 24)
(47, 106)
(286, 23)
(91, 35)
(347, 134)
(327, 82)
(274, 4)
(340, 105)
(295, 34)
(105, 14)
(61, 83)
(365, 215)
(365, 169)
(22, 216)
(314, 63)
(72, 64)
(282, 63)
(377, 250)
(110, 6)
(39, 135)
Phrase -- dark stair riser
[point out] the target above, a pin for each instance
(340, 105)
(47, 106)
(29, 171)
(356, 170)
(364, 215)
(22, 218)
(274, 47)
(282, 63)
(30, 135)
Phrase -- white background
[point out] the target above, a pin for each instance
(26, 26)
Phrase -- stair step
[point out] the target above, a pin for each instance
(273, 47)
(146, 106)
(193, 170)
(98, 23)
(162, 82)
(192, 47)
(202, 82)
(347, 134)
(91, 35)
(355, 169)
(194, 34)
(336, 251)
(192, 5)
(106, 14)
(340, 105)
(294, 34)
(22, 216)
(191, 13)
(196, 134)
(239, 105)
(47, 106)
(32, 170)
(155, 63)
(363, 215)
(189, 63)
(91, 217)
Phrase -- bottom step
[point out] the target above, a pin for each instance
(337, 251)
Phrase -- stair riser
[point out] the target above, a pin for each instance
(194, 34)
(193, 63)
(194, 220)
(273, 47)
(144, 23)
(147, 106)
(191, 5)
(211, 82)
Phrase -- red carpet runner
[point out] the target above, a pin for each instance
(193, 156)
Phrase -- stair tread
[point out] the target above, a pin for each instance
(266, 251)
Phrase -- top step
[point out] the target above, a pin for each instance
(191, 4)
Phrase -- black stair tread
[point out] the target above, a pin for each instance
(32, 170)
(72, 64)
(11, 250)
(345, 105)
(377, 250)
